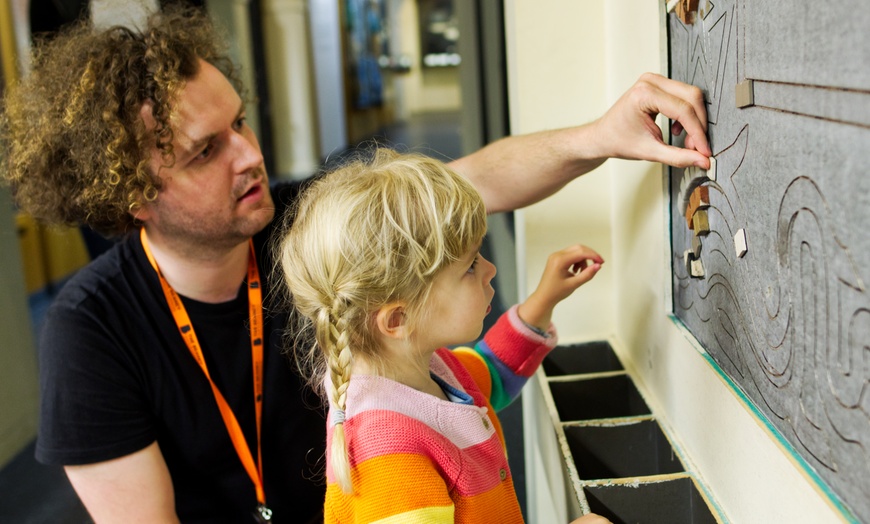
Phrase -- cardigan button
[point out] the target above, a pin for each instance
(502, 473)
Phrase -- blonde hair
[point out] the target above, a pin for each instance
(366, 235)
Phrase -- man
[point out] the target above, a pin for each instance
(165, 392)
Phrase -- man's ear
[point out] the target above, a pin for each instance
(141, 212)
(392, 322)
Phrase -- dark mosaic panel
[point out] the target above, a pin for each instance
(789, 321)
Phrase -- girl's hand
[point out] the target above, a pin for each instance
(566, 270)
(591, 518)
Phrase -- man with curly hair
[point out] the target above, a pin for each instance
(165, 393)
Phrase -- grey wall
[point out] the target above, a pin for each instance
(789, 322)
(18, 383)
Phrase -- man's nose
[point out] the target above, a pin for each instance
(247, 152)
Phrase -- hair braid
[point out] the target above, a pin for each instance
(339, 359)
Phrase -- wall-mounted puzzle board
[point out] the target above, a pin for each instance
(771, 259)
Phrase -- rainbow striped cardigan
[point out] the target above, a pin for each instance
(416, 458)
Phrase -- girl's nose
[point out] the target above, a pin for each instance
(489, 268)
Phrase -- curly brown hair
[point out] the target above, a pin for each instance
(73, 145)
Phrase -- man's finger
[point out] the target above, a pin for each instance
(680, 102)
(687, 92)
(679, 157)
(683, 112)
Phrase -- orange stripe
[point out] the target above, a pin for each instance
(496, 505)
(477, 368)
(387, 485)
(397, 484)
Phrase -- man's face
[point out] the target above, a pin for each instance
(216, 194)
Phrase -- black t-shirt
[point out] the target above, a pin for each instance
(116, 376)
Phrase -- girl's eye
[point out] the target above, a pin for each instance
(240, 123)
(473, 264)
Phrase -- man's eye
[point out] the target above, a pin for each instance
(239, 123)
(206, 152)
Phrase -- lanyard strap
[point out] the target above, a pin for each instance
(255, 312)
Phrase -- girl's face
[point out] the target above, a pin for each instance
(459, 301)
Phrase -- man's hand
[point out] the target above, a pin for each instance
(628, 129)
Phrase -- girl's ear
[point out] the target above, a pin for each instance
(392, 322)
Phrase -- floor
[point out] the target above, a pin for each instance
(31, 493)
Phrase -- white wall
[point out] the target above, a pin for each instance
(568, 60)
(555, 80)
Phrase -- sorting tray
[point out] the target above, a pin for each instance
(619, 461)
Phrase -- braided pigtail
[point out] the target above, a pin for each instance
(334, 340)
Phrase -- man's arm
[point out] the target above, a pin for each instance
(520, 170)
(133, 488)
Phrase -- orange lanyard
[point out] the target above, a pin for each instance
(255, 311)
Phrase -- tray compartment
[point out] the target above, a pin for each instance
(663, 502)
(589, 357)
(597, 398)
(635, 449)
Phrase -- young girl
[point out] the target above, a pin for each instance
(382, 259)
